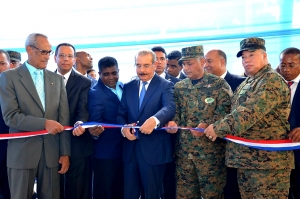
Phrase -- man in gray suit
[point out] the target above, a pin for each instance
(32, 99)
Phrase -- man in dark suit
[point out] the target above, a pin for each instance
(4, 188)
(32, 99)
(104, 100)
(169, 182)
(161, 57)
(289, 68)
(174, 68)
(215, 63)
(78, 177)
(147, 102)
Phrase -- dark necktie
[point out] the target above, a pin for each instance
(65, 80)
(143, 92)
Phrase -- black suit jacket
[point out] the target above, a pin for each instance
(78, 87)
(171, 78)
(233, 80)
(294, 118)
(182, 76)
(3, 143)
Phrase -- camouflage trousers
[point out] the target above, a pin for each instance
(196, 178)
(261, 184)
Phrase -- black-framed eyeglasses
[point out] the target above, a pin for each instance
(43, 52)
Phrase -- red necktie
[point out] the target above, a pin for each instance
(290, 84)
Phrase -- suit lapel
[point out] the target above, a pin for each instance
(135, 97)
(49, 83)
(150, 91)
(108, 92)
(228, 76)
(168, 77)
(296, 99)
(71, 81)
(182, 76)
(27, 81)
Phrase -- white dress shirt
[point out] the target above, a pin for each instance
(294, 87)
(66, 76)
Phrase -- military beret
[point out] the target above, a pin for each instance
(191, 52)
(251, 44)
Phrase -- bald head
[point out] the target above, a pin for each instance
(215, 62)
(84, 62)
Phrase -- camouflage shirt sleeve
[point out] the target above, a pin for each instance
(177, 116)
(253, 102)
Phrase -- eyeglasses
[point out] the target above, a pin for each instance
(62, 56)
(291, 65)
(43, 52)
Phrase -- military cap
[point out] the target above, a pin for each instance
(251, 44)
(14, 55)
(191, 52)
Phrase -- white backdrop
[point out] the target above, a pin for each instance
(119, 28)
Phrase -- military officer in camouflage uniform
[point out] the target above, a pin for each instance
(260, 109)
(201, 99)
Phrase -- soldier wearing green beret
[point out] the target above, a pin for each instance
(201, 99)
(260, 110)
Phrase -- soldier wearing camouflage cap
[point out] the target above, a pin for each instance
(201, 99)
(260, 110)
(15, 58)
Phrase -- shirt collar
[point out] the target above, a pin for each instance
(224, 74)
(117, 86)
(262, 71)
(163, 75)
(67, 75)
(296, 80)
(32, 69)
(141, 82)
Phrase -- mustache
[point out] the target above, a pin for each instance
(142, 74)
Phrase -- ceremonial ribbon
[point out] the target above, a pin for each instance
(269, 145)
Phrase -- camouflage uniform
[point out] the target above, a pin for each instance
(14, 55)
(260, 109)
(200, 163)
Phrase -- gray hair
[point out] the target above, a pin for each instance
(146, 52)
(31, 39)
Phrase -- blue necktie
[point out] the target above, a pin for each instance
(39, 85)
(143, 92)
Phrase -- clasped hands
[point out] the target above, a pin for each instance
(208, 132)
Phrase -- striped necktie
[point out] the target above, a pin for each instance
(290, 84)
(39, 85)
